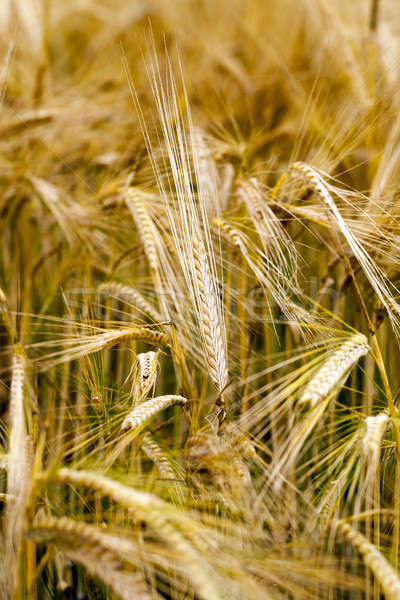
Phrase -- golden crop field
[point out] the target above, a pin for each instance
(199, 299)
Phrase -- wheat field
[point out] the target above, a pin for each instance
(199, 299)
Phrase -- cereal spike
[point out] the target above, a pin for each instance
(210, 319)
(136, 202)
(375, 429)
(129, 294)
(383, 571)
(154, 452)
(141, 414)
(148, 366)
(334, 368)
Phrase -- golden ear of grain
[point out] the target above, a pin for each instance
(72, 537)
(5, 313)
(27, 120)
(141, 414)
(211, 325)
(387, 577)
(17, 443)
(18, 467)
(136, 202)
(231, 233)
(123, 494)
(140, 334)
(377, 278)
(144, 375)
(185, 193)
(276, 242)
(77, 348)
(233, 435)
(148, 367)
(159, 515)
(102, 565)
(313, 177)
(154, 452)
(374, 430)
(334, 368)
(129, 294)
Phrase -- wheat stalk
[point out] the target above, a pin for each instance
(334, 368)
(141, 414)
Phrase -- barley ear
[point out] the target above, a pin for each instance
(18, 467)
(210, 321)
(334, 368)
(388, 578)
(129, 294)
(138, 418)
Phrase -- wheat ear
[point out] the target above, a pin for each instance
(77, 348)
(154, 452)
(374, 430)
(18, 466)
(309, 174)
(210, 323)
(383, 571)
(231, 233)
(157, 514)
(373, 272)
(5, 313)
(140, 334)
(276, 243)
(17, 444)
(188, 218)
(334, 368)
(102, 564)
(141, 414)
(135, 201)
(51, 528)
(129, 294)
(71, 535)
(147, 370)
